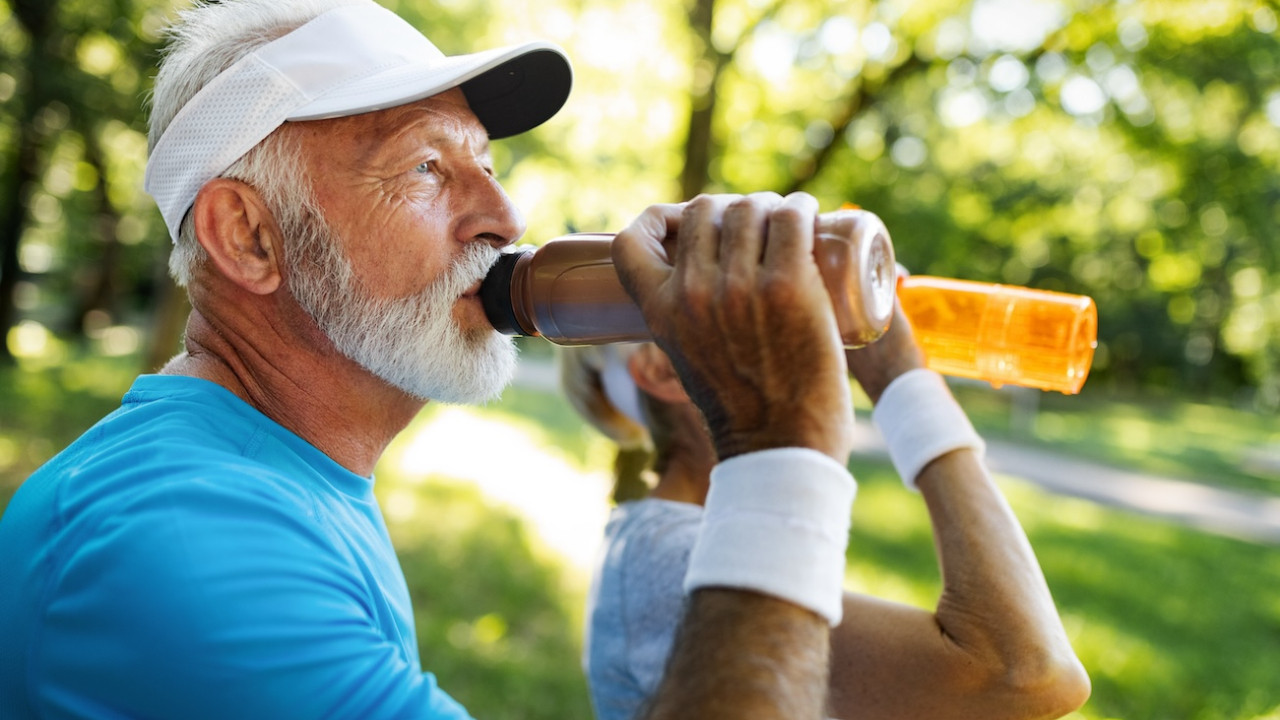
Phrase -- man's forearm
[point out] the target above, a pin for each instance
(741, 654)
(995, 603)
(990, 573)
(994, 648)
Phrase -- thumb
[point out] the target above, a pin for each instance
(640, 255)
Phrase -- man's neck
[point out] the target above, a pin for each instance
(302, 383)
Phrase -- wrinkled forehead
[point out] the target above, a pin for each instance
(442, 122)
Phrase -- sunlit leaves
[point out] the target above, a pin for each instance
(98, 54)
(1109, 153)
(1126, 150)
(1013, 25)
(1192, 21)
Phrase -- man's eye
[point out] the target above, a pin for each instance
(428, 166)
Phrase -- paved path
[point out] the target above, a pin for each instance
(1247, 516)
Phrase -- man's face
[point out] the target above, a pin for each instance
(408, 218)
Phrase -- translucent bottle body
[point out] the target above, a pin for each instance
(1002, 334)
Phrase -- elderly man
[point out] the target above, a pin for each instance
(213, 548)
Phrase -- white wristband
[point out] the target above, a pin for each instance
(921, 421)
(777, 522)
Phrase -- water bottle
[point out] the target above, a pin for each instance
(568, 292)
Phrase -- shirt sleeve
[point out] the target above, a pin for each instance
(653, 576)
(202, 601)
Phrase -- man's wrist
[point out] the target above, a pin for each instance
(875, 378)
(777, 522)
(921, 421)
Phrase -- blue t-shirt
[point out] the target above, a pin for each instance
(190, 558)
(636, 602)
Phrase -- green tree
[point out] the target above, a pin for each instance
(1127, 151)
(78, 240)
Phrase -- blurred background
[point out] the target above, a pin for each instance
(1125, 150)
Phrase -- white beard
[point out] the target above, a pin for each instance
(412, 343)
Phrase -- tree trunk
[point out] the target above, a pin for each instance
(36, 17)
(700, 143)
(102, 286)
(860, 98)
(23, 161)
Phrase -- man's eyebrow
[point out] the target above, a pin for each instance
(436, 137)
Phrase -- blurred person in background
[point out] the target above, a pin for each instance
(993, 647)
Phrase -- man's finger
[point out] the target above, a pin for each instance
(743, 234)
(790, 239)
(698, 245)
(639, 253)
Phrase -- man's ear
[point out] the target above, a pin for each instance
(653, 373)
(239, 233)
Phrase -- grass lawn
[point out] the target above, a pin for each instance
(1171, 623)
(497, 621)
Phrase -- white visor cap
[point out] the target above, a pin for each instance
(347, 61)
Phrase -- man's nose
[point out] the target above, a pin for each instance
(495, 219)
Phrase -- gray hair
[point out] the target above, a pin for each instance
(206, 40)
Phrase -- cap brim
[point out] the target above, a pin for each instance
(511, 90)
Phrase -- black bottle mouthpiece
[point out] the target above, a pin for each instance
(495, 294)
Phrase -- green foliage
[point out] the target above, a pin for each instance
(1128, 151)
(1131, 161)
(44, 408)
(84, 241)
(1124, 151)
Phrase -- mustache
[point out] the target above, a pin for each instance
(468, 269)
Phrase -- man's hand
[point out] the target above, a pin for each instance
(730, 290)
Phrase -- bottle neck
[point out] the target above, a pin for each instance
(503, 295)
